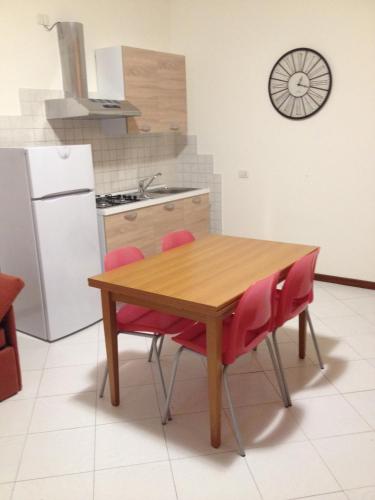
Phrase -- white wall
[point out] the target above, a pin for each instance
(311, 181)
(29, 54)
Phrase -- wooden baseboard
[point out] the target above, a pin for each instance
(345, 281)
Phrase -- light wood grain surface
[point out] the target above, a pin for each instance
(207, 274)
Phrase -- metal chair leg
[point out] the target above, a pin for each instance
(315, 341)
(151, 350)
(278, 357)
(153, 346)
(277, 372)
(171, 385)
(162, 337)
(101, 393)
(236, 429)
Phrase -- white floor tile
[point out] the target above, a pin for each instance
(352, 376)
(30, 384)
(72, 354)
(5, 491)
(63, 412)
(295, 468)
(250, 388)
(327, 416)
(32, 351)
(328, 308)
(188, 435)
(329, 496)
(129, 347)
(72, 487)
(350, 458)
(248, 363)
(331, 350)
(11, 451)
(68, 380)
(136, 402)
(364, 403)
(288, 353)
(131, 372)
(189, 396)
(348, 325)
(361, 493)
(189, 367)
(363, 343)
(343, 292)
(129, 443)
(267, 425)
(89, 334)
(218, 477)
(305, 382)
(365, 306)
(15, 416)
(57, 453)
(137, 482)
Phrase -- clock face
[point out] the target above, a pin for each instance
(300, 83)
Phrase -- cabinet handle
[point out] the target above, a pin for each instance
(174, 126)
(131, 216)
(145, 128)
(169, 207)
(197, 200)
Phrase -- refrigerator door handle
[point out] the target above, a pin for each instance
(62, 194)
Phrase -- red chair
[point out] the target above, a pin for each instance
(176, 239)
(294, 297)
(10, 372)
(245, 329)
(140, 321)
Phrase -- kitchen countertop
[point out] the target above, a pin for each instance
(149, 202)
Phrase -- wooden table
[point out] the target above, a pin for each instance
(203, 281)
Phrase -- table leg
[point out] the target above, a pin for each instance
(214, 334)
(302, 334)
(110, 333)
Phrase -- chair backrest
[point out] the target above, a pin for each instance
(176, 239)
(121, 257)
(297, 291)
(253, 318)
(10, 287)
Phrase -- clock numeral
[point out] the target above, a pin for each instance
(321, 83)
(277, 85)
(299, 58)
(309, 105)
(310, 60)
(280, 72)
(317, 95)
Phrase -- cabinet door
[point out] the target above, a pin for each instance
(197, 215)
(141, 88)
(133, 228)
(168, 217)
(172, 92)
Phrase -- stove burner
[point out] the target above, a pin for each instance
(110, 200)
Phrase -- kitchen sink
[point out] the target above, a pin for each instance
(165, 191)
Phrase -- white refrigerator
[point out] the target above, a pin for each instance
(49, 237)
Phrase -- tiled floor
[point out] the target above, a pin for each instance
(59, 441)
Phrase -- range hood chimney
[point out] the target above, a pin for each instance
(76, 103)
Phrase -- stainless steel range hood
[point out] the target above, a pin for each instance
(76, 103)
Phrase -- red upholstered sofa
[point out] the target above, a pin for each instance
(10, 373)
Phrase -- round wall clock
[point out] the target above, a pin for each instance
(300, 83)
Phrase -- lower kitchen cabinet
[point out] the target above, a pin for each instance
(145, 227)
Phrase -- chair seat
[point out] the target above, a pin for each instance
(133, 318)
(194, 338)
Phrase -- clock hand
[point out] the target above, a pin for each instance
(302, 85)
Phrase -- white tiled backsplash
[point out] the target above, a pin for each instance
(118, 161)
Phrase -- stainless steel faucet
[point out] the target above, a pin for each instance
(145, 183)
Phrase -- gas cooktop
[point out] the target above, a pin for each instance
(111, 200)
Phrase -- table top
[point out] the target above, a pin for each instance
(208, 274)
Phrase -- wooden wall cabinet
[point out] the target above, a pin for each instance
(153, 81)
(145, 227)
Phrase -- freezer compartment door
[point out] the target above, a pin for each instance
(56, 170)
(68, 244)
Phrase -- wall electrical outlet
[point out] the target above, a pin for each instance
(42, 19)
(243, 174)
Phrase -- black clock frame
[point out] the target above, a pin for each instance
(328, 92)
